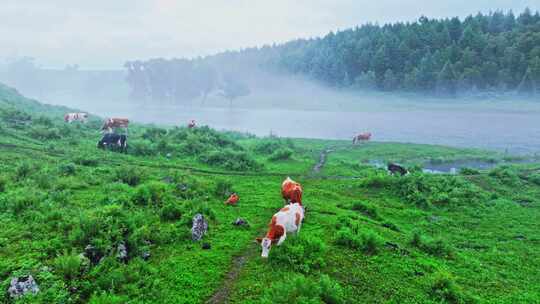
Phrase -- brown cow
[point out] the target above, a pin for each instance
(111, 123)
(361, 137)
(291, 191)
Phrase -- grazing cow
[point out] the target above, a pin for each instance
(114, 142)
(111, 123)
(287, 220)
(394, 168)
(291, 191)
(71, 117)
(192, 124)
(361, 137)
(233, 199)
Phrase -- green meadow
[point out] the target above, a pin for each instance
(368, 237)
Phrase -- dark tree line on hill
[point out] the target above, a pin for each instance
(497, 52)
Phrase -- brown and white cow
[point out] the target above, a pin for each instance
(287, 220)
(291, 191)
(71, 117)
(111, 123)
(361, 137)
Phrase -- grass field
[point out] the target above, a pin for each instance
(367, 238)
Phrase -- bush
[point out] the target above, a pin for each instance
(223, 188)
(22, 171)
(506, 175)
(3, 183)
(281, 154)
(271, 145)
(368, 241)
(171, 212)
(367, 210)
(534, 178)
(86, 160)
(67, 169)
(444, 289)
(299, 289)
(436, 247)
(141, 148)
(151, 194)
(68, 265)
(231, 160)
(44, 133)
(468, 171)
(104, 298)
(302, 254)
(128, 175)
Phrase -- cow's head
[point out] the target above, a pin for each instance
(266, 244)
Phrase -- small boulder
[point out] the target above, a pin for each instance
(122, 253)
(22, 286)
(206, 246)
(240, 222)
(146, 255)
(92, 254)
(199, 227)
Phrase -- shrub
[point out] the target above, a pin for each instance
(151, 194)
(141, 148)
(171, 212)
(534, 178)
(299, 289)
(87, 160)
(506, 175)
(3, 183)
(68, 265)
(104, 298)
(271, 145)
(302, 254)
(229, 159)
(437, 247)
(128, 175)
(444, 289)
(378, 180)
(468, 171)
(367, 241)
(44, 133)
(281, 154)
(367, 210)
(22, 171)
(223, 188)
(67, 169)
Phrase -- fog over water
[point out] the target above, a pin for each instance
(517, 132)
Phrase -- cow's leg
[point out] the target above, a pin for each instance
(282, 238)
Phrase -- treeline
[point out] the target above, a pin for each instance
(498, 51)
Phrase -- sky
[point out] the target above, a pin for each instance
(106, 33)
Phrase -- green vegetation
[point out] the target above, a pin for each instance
(367, 236)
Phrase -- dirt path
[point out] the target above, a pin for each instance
(222, 294)
(322, 160)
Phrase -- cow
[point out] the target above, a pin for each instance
(192, 124)
(291, 191)
(395, 168)
(71, 117)
(361, 137)
(115, 142)
(232, 200)
(287, 220)
(111, 123)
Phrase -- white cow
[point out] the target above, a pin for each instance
(288, 219)
(71, 117)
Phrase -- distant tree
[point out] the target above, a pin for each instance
(232, 89)
(446, 81)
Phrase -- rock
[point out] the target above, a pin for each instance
(206, 246)
(22, 286)
(433, 219)
(168, 155)
(92, 254)
(168, 180)
(520, 237)
(240, 222)
(182, 187)
(146, 255)
(122, 253)
(199, 228)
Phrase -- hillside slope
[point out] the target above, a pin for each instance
(67, 209)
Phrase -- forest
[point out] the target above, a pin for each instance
(496, 52)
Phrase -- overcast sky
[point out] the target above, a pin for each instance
(105, 33)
